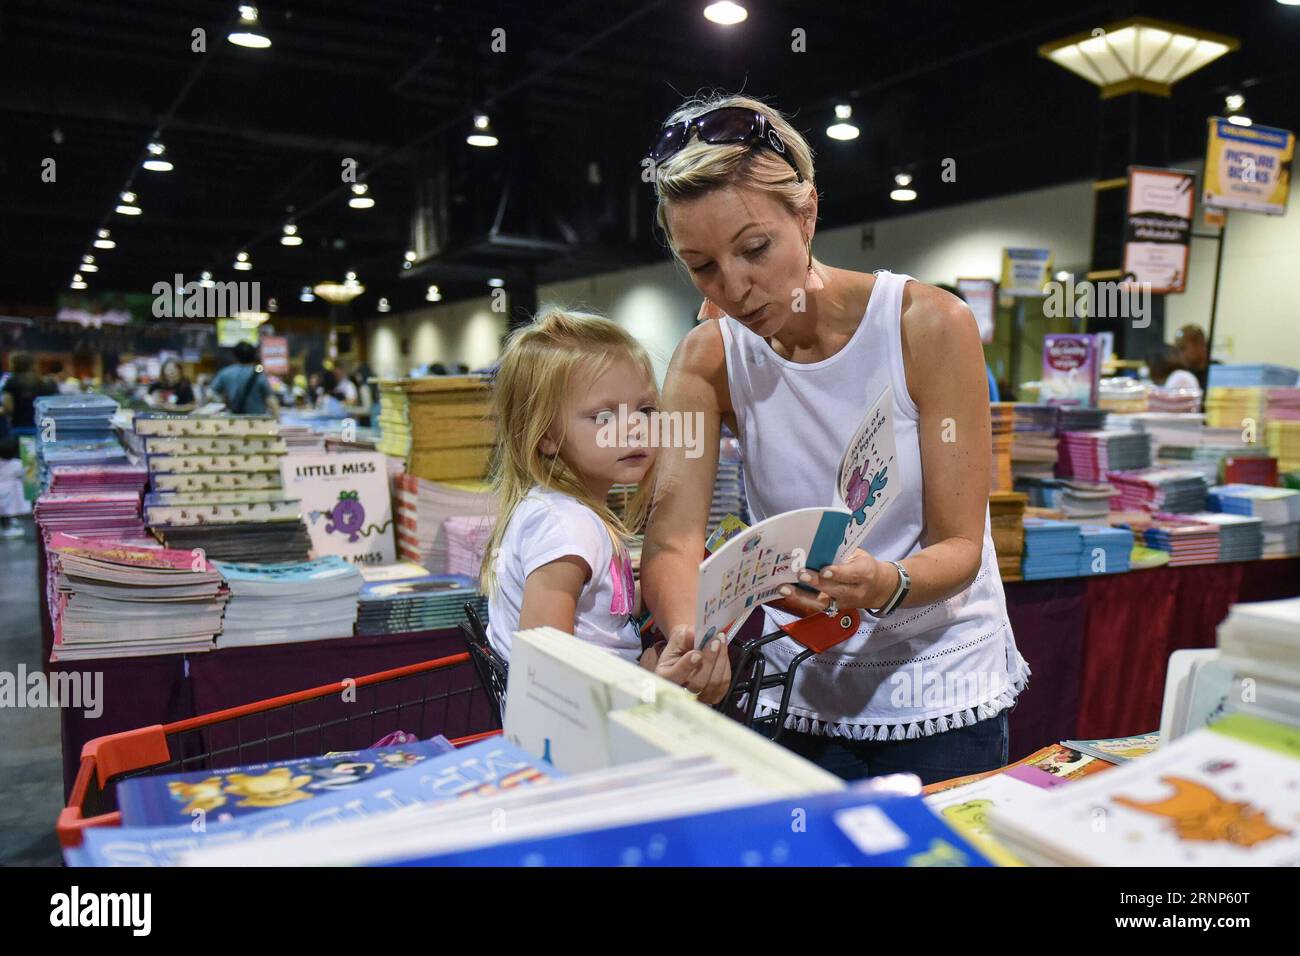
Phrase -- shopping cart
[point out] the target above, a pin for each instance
(423, 699)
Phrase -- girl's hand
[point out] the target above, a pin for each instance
(861, 581)
(706, 673)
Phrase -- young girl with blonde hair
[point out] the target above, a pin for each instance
(558, 555)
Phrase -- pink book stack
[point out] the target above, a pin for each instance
(96, 500)
(467, 538)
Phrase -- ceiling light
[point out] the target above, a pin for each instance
(359, 198)
(1138, 55)
(496, 283)
(290, 237)
(205, 279)
(77, 282)
(272, 305)
(156, 163)
(242, 262)
(1235, 101)
(410, 255)
(384, 306)
(726, 13)
(433, 295)
(306, 295)
(903, 192)
(843, 129)
(104, 242)
(1240, 120)
(88, 264)
(248, 32)
(340, 293)
(481, 134)
(127, 206)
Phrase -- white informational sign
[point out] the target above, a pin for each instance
(345, 503)
(1158, 227)
(982, 297)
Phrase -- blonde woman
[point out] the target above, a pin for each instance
(558, 555)
(796, 354)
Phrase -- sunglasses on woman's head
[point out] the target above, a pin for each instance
(727, 124)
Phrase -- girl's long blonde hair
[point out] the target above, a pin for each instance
(560, 349)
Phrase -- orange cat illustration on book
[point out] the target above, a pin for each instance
(203, 795)
(1200, 814)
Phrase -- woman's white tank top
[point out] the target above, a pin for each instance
(922, 670)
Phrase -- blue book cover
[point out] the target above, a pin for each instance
(484, 767)
(293, 572)
(835, 829)
(222, 795)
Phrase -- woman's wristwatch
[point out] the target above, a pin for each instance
(899, 595)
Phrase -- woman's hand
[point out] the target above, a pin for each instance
(706, 673)
(861, 581)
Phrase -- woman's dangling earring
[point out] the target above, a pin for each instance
(813, 280)
(708, 311)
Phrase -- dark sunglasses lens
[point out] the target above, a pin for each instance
(669, 142)
(730, 125)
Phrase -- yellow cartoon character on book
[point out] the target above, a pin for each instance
(277, 787)
(203, 795)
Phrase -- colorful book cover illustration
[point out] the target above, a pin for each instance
(1071, 370)
(221, 795)
(346, 503)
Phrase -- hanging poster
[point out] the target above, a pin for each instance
(1026, 271)
(982, 297)
(1248, 167)
(1158, 227)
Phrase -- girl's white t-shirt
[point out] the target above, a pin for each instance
(548, 525)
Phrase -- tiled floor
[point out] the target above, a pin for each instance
(31, 781)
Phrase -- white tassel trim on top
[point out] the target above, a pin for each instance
(908, 730)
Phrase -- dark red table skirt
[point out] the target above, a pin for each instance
(1098, 648)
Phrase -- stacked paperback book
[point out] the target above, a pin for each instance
(1034, 449)
(1092, 455)
(1080, 419)
(1173, 400)
(1003, 420)
(216, 486)
(97, 500)
(1062, 549)
(1072, 497)
(289, 602)
(728, 484)
(109, 599)
(1006, 523)
(421, 509)
(1252, 376)
(467, 540)
(1241, 538)
(1284, 443)
(441, 427)
(1187, 541)
(1278, 510)
(1176, 490)
(404, 597)
(75, 430)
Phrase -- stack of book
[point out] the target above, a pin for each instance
(109, 599)
(1052, 549)
(441, 427)
(1252, 376)
(1277, 508)
(89, 479)
(75, 430)
(216, 486)
(108, 514)
(1177, 490)
(1233, 407)
(1104, 550)
(301, 440)
(1259, 642)
(289, 602)
(1006, 522)
(1173, 400)
(1284, 443)
(421, 509)
(402, 598)
(1080, 419)
(1186, 541)
(1241, 538)
(1033, 442)
(1072, 497)
(1002, 420)
(1092, 455)
(1122, 395)
(467, 539)
(728, 485)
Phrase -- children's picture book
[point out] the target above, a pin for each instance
(1071, 370)
(199, 426)
(489, 766)
(231, 792)
(753, 564)
(1220, 796)
(1117, 749)
(346, 504)
(216, 481)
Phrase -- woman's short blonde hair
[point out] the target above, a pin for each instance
(701, 167)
